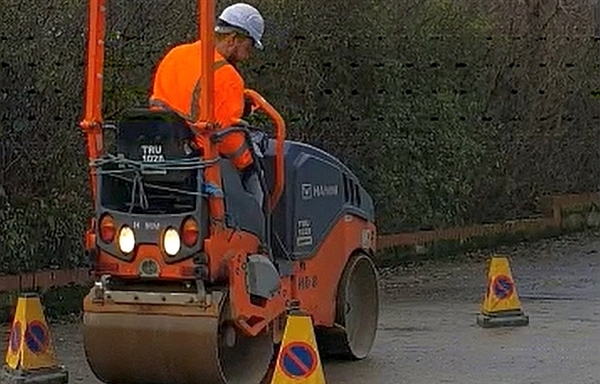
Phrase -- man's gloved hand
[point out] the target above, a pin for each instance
(259, 142)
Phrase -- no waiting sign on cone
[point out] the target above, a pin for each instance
(30, 355)
(501, 306)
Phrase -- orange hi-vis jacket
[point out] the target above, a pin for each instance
(176, 87)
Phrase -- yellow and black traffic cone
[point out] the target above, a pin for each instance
(30, 355)
(298, 360)
(501, 305)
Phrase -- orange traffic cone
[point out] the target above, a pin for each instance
(501, 305)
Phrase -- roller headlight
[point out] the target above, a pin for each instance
(126, 239)
(171, 242)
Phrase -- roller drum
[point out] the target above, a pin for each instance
(140, 344)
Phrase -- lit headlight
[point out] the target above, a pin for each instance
(171, 242)
(126, 239)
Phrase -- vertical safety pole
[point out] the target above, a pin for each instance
(92, 121)
(206, 124)
(206, 30)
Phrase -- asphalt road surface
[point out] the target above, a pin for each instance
(428, 334)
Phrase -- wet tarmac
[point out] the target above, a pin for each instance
(428, 334)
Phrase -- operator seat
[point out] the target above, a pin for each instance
(134, 177)
(152, 136)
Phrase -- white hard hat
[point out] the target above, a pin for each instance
(245, 17)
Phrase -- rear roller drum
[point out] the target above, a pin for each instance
(357, 312)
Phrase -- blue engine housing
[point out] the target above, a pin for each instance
(319, 191)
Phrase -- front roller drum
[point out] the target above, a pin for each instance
(137, 344)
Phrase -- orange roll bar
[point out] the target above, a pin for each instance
(280, 133)
(206, 124)
(92, 121)
(206, 14)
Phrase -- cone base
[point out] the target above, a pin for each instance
(507, 319)
(58, 375)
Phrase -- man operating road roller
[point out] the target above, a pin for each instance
(176, 86)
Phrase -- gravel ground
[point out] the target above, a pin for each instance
(427, 330)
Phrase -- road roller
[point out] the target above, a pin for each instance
(193, 277)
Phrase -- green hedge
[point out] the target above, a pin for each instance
(451, 112)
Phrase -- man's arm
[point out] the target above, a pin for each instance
(229, 109)
(229, 97)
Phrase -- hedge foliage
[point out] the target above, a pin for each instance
(451, 112)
